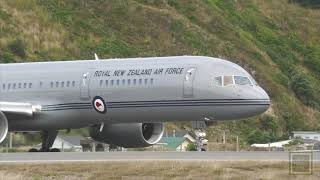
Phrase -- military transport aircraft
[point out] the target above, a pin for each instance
(124, 101)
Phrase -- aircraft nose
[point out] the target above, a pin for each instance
(263, 96)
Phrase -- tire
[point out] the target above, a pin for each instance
(55, 150)
(33, 150)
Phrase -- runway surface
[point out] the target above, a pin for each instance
(137, 156)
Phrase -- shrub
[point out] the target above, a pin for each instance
(312, 59)
(6, 57)
(258, 136)
(17, 47)
(192, 147)
(302, 87)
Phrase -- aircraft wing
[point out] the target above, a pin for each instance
(18, 108)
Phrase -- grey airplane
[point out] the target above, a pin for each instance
(124, 102)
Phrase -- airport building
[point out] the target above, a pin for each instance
(314, 135)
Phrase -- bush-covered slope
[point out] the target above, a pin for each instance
(277, 41)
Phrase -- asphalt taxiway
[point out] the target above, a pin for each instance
(137, 156)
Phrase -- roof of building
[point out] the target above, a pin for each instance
(172, 142)
(306, 132)
(274, 144)
(178, 133)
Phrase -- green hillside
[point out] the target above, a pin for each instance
(276, 40)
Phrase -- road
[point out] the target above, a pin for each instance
(136, 156)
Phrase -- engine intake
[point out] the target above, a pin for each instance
(3, 126)
(129, 135)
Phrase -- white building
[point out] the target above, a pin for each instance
(68, 143)
(314, 135)
(279, 144)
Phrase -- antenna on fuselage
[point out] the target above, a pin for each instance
(96, 56)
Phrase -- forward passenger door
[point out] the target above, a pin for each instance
(188, 82)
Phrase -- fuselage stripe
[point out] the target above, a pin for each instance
(164, 102)
(159, 104)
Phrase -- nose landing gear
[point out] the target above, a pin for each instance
(200, 127)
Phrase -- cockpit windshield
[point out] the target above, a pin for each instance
(242, 80)
(218, 81)
(232, 80)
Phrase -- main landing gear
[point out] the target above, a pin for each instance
(47, 137)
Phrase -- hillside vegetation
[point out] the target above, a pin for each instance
(276, 40)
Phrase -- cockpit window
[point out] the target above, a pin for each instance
(242, 80)
(218, 81)
(232, 80)
(227, 80)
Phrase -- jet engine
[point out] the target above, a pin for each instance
(128, 135)
(3, 126)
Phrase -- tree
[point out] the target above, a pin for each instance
(192, 147)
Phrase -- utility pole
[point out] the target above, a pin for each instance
(237, 143)
(224, 137)
(10, 140)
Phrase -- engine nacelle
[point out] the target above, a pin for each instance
(3, 126)
(129, 135)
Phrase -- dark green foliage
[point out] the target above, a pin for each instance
(307, 3)
(192, 147)
(267, 132)
(302, 87)
(295, 141)
(6, 57)
(269, 123)
(4, 15)
(312, 59)
(17, 47)
(114, 48)
(258, 136)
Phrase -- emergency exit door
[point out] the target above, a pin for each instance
(188, 82)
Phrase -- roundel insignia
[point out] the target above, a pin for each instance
(99, 104)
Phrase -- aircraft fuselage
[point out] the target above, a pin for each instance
(75, 94)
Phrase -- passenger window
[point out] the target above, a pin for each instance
(19, 85)
(112, 82)
(40, 84)
(145, 81)
(30, 85)
(241, 80)
(107, 82)
(140, 81)
(227, 80)
(129, 81)
(3, 86)
(134, 81)
(68, 83)
(217, 81)
(73, 83)
(62, 84)
(57, 84)
(9, 85)
(151, 81)
(101, 82)
(51, 84)
(118, 82)
(123, 81)
(24, 85)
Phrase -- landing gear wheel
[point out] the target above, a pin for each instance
(48, 138)
(33, 150)
(55, 150)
